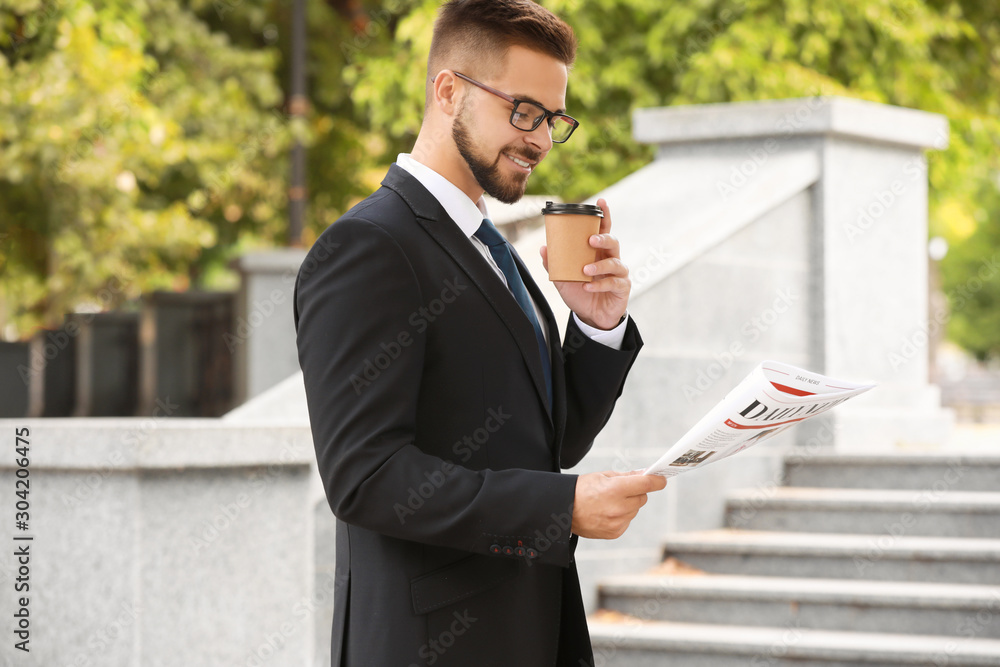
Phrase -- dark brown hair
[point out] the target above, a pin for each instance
(476, 35)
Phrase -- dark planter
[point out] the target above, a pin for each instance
(39, 376)
(58, 350)
(186, 370)
(107, 363)
(15, 381)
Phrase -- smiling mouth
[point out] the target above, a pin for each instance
(524, 164)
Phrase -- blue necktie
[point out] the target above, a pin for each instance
(489, 235)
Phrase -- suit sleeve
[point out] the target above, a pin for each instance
(362, 364)
(595, 377)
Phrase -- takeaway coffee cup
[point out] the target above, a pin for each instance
(568, 228)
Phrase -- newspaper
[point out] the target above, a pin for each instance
(772, 398)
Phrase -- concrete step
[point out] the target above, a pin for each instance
(896, 512)
(932, 472)
(630, 643)
(828, 604)
(839, 556)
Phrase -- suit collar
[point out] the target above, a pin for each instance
(431, 215)
(467, 214)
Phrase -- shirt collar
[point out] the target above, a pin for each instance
(468, 215)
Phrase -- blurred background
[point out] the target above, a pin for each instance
(147, 145)
(165, 165)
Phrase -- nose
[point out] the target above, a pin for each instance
(540, 138)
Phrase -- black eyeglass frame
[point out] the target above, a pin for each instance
(573, 122)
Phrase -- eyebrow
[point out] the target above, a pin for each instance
(529, 98)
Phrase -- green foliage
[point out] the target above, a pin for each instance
(136, 142)
(937, 55)
(144, 140)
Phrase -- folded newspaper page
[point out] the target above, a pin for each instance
(772, 398)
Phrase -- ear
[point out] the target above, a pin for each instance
(447, 94)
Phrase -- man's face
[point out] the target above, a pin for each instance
(500, 156)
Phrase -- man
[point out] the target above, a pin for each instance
(442, 405)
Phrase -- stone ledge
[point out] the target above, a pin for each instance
(766, 644)
(275, 260)
(131, 443)
(830, 116)
(923, 595)
(880, 500)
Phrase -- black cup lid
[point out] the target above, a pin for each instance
(578, 209)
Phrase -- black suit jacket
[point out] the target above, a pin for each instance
(438, 452)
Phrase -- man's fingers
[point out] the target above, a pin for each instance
(606, 220)
(634, 485)
(606, 241)
(609, 266)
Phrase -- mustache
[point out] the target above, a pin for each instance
(524, 154)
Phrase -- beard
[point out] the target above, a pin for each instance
(506, 188)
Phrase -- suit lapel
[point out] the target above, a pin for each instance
(439, 225)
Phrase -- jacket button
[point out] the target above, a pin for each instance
(508, 550)
(495, 549)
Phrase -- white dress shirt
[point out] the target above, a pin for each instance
(469, 216)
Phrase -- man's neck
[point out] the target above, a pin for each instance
(433, 149)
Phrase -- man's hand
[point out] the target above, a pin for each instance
(606, 502)
(602, 302)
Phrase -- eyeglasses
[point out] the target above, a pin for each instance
(526, 116)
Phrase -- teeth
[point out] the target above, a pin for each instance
(526, 165)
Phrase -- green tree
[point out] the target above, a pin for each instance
(938, 55)
(135, 136)
(136, 144)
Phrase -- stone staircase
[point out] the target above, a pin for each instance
(857, 560)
